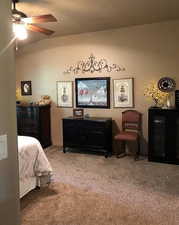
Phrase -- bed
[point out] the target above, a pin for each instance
(34, 167)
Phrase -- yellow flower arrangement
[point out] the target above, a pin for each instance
(152, 91)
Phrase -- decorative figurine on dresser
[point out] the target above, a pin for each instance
(34, 121)
(88, 133)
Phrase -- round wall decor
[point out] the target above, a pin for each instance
(166, 84)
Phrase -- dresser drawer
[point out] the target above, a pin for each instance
(94, 134)
(97, 139)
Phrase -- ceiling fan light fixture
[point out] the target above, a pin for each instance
(20, 31)
(22, 23)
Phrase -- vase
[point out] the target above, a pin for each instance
(156, 103)
(168, 102)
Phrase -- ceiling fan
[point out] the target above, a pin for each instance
(20, 18)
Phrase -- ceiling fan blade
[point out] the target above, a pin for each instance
(40, 19)
(39, 29)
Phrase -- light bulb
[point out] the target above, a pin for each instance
(20, 31)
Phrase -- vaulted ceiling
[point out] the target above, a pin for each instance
(79, 16)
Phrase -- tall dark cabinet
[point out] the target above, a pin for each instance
(163, 135)
(93, 133)
(34, 121)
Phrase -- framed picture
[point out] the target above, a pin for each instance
(93, 92)
(65, 94)
(78, 113)
(123, 93)
(26, 88)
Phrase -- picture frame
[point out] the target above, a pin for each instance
(78, 113)
(92, 92)
(64, 94)
(26, 88)
(123, 93)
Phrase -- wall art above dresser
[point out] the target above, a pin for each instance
(92, 92)
(65, 94)
(93, 65)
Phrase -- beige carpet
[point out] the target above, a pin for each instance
(62, 204)
(92, 190)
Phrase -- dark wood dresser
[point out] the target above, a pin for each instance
(88, 134)
(34, 121)
(163, 127)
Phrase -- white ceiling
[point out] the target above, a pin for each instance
(79, 16)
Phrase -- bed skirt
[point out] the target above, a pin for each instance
(27, 185)
(31, 183)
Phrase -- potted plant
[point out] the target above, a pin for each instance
(152, 91)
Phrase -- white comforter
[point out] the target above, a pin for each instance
(32, 159)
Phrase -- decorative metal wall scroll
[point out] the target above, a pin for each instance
(92, 65)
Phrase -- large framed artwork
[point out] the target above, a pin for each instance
(93, 92)
(65, 94)
(123, 93)
(26, 88)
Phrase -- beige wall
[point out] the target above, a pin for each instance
(9, 180)
(147, 52)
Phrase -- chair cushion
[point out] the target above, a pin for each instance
(126, 136)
